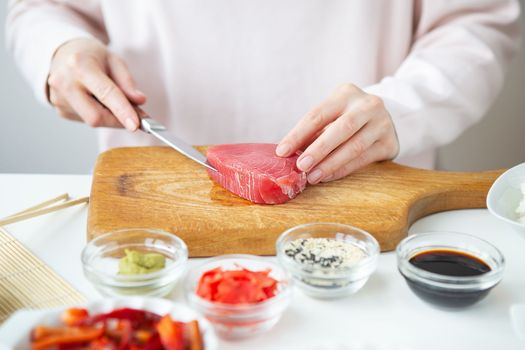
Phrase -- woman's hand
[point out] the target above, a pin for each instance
(89, 83)
(346, 132)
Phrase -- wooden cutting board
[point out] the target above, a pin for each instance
(156, 187)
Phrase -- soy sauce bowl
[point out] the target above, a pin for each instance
(446, 291)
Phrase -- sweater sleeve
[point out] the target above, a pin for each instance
(453, 72)
(36, 28)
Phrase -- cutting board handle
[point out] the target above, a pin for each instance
(442, 191)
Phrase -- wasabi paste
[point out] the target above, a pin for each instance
(137, 263)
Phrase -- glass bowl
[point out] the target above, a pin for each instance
(330, 282)
(234, 321)
(100, 260)
(446, 291)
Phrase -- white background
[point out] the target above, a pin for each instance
(33, 139)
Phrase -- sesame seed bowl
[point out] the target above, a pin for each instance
(328, 260)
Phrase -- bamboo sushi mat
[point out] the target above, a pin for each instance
(27, 282)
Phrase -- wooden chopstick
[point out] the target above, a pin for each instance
(42, 208)
(44, 204)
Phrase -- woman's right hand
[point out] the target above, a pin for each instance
(89, 83)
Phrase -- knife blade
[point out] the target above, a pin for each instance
(153, 127)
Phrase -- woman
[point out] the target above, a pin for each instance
(402, 77)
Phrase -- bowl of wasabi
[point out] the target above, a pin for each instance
(131, 262)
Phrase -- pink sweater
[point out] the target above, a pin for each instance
(236, 70)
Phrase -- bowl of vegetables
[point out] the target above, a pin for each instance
(241, 295)
(129, 323)
(135, 262)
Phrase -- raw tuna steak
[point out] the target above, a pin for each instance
(254, 172)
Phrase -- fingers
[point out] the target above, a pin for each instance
(346, 153)
(348, 131)
(62, 106)
(373, 154)
(110, 95)
(92, 112)
(337, 133)
(79, 105)
(120, 74)
(316, 120)
(68, 113)
(87, 82)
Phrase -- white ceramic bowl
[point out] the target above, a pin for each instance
(505, 194)
(14, 333)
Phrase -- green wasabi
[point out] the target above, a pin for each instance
(137, 263)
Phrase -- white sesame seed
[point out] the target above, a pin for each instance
(324, 252)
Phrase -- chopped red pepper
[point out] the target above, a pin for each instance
(240, 286)
(144, 335)
(126, 334)
(171, 333)
(74, 316)
(120, 329)
(138, 318)
(103, 343)
(193, 334)
(153, 343)
(44, 337)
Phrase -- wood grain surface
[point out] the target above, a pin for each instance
(156, 187)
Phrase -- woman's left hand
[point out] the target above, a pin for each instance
(346, 132)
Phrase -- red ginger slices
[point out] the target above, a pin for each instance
(241, 286)
(253, 171)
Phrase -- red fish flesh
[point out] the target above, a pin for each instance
(253, 171)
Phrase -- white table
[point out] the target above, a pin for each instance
(383, 315)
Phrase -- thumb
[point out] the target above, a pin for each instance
(119, 72)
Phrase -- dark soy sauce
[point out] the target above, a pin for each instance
(449, 263)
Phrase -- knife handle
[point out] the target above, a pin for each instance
(140, 112)
(147, 124)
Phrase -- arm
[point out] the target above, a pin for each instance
(35, 29)
(454, 71)
(447, 82)
(60, 46)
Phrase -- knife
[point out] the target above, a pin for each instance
(153, 127)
